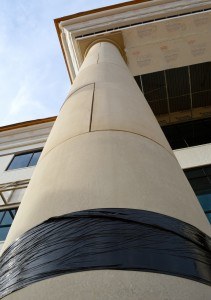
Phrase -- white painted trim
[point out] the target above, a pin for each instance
(31, 128)
(13, 149)
(124, 12)
(24, 138)
(195, 156)
(143, 25)
(69, 59)
(135, 16)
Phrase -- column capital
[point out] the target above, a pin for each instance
(118, 44)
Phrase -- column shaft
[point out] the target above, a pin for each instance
(106, 150)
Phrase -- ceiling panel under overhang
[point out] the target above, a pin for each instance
(167, 44)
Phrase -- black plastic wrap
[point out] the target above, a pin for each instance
(121, 239)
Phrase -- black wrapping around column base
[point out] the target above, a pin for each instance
(97, 239)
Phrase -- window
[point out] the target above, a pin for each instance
(188, 134)
(179, 89)
(200, 180)
(24, 160)
(6, 219)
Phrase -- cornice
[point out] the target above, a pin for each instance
(61, 34)
(94, 24)
(27, 123)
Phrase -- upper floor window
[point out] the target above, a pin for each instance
(188, 134)
(23, 160)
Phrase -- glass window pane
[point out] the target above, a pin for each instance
(34, 158)
(194, 173)
(177, 81)
(201, 184)
(154, 86)
(196, 132)
(3, 232)
(200, 76)
(207, 170)
(205, 201)
(209, 217)
(1, 216)
(20, 161)
(14, 211)
(7, 219)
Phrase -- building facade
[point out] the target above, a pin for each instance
(19, 142)
(107, 151)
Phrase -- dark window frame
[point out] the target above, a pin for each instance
(177, 89)
(188, 134)
(32, 152)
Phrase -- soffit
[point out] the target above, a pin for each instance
(163, 40)
(157, 34)
(167, 44)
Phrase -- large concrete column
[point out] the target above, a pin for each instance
(107, 150)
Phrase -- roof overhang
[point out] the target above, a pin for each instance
(155, 35)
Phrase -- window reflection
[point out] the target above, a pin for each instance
(200, 180)
(6, 219)
(24, 160)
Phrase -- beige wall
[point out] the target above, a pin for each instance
(13, 141)
(13, 175)
(20, 140)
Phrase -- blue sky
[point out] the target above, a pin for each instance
(33, 77)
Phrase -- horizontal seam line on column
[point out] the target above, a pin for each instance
(105, 130)
(107, 63)
(74, 91)
(71, 93)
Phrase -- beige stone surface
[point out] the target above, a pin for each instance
(116, 107)
(107, 169)
(114, 285)
(123, 161)
(117, 101)
(74, 118)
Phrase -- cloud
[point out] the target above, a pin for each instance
(23, 101)
(24, 104)
(20, 101)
